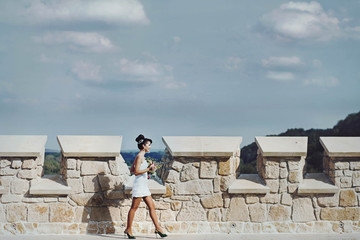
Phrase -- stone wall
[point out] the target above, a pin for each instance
(205, 192)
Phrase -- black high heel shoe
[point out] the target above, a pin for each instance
(128, 235)
(160, 233)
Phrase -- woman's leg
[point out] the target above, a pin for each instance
(135, 204)
(150, 203)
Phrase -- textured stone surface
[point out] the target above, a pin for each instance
(208, 169)
(279, 213)
(270, 198)
(286, 199)
(348, 198)
(176, 165)
(295, 176)
(226, 167)
(237, 210)
(214, 215)
(355, 165)
(83, 199)
(28, 164)
(61, 212)
(114, 194)
(105, 214)
(72, 174)
(213, 201)
(94, 167)
(10, 198)
(91, 184)
(356, 178)
(2, 214)
(191, 211)
(4, 163)
(226, 181)
(339, 214)
(273, 184)
(173, 176)
(38, 212)
(110, 182)
(19, 186)
(194, 187)
(71, 163)
(189, 172)
(258, 212)
(16, 212)
(16, 163)
(75, 184)
(303, 210)
(216, 183)
(251, 199)
(7, 171)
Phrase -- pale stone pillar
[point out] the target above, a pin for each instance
(96, 172)
(197, 173)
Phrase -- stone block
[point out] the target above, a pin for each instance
(339, 165)
(292, 188)
(273, 184)
(303, 210)
(72, 174)
(208, 169)
(286, 199)
(237, 210)
(348, 198)
(214, 215)
(226, 167)
(216, 183)
(322, 227)
(295, 176)
(258, 212)
(4, 163)
(191, 211)
(28, 164)
(82, 214)
(91, 184)
(71, 164)
(355, 165)
(283, 172)
(27, 174)
(38, 212)
(87, 199)
(272, 171)
(356, 178)
(189, 172)
(226, 181)
(61, 212)
(167, 216)
(50, 199)
(251, 199)
(75, 184)
(16, 164)
(194, 187)
(173, 176)
(345, 182)
(10, 198)
(283, 185)
(213, 201)
(279, 213)
(8, 171)
(16, 212)
(108, 182)
(50, 228)
(176, 165)
(114, 194)
(19, 186)
(111, 214)
(176, 205)
(340, 214)
(348, 173)
(270, 198)
(94, 168)
(2, 215)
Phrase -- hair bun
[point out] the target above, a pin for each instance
(139, 138)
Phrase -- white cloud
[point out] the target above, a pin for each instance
(233, 63)
(176, 39)
(301, 21)
(80, 41)
(274, 62)
(326, 82)
(280, 76)
(107, 11)
(316, 63)
(149, 71)
(87, 71)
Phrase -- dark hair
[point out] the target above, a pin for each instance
(141, 140)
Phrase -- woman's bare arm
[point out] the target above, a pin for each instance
(137, 170)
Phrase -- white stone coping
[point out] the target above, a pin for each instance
(154, 186)
(90, 146)
(49, 185)
(22, 145)
(282, 146)
(249, 183)
(317, 183)
(2, 190)
(198, 146)
(341, 146)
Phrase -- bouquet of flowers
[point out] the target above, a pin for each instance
(152, 162)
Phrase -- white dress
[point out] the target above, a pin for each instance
(140, 187)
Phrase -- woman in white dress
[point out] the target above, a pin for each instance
(140, 187)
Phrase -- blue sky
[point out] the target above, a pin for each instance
(168, 68)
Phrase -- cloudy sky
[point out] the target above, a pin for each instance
(167, 68)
